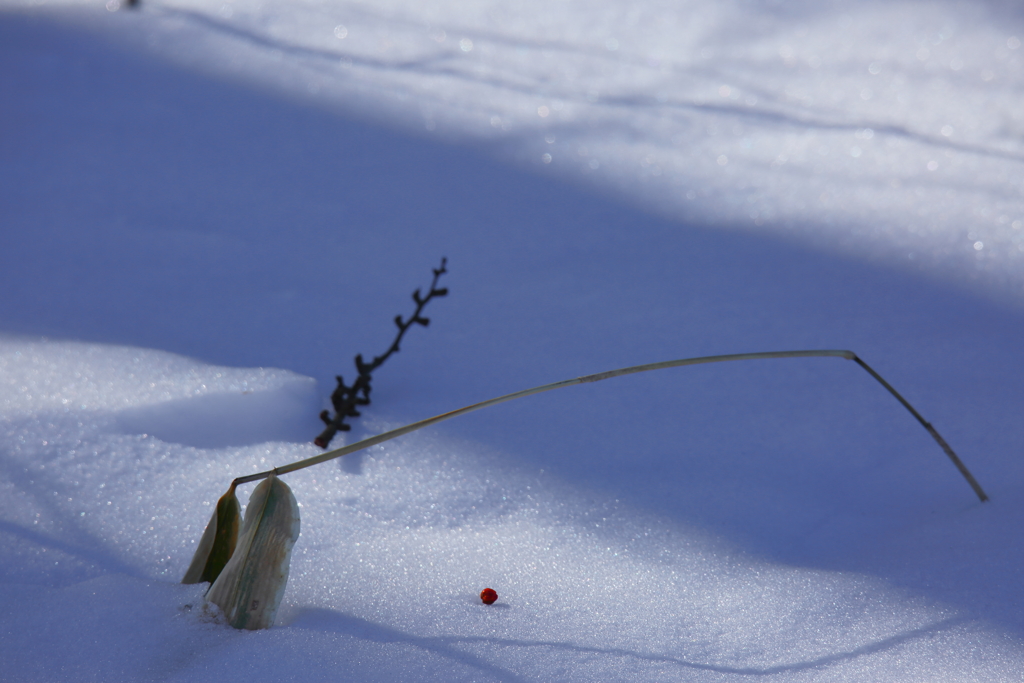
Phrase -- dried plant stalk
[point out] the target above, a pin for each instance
(837, 353)
(345, 398)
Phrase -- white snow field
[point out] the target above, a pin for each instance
(207, 209)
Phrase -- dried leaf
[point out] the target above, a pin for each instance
(250, 588)
(218, 541)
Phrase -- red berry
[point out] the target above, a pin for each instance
(489, 596)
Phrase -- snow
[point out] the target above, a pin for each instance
(209, 209)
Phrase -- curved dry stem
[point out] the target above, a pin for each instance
(401, 431)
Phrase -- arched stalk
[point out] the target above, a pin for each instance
(395, 433)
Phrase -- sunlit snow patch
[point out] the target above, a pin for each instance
(384, 581)
(236, 418)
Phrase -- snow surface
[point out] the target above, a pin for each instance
(193, 194)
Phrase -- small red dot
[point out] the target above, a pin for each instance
(489, 596)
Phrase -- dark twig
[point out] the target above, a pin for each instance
(345, 398)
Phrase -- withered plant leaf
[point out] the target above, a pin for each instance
(250, 588)
(218, 541)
